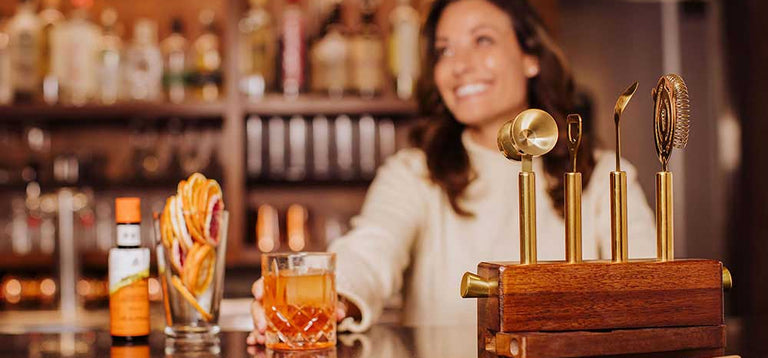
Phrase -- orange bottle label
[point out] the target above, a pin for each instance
(129, 351)
(129, 310)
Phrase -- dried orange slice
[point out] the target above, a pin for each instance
(185, 236)
(213, 208)
(189, 200)
(191, 299)
(198, 270)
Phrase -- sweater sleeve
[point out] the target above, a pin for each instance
(371, 258)
(641, 224)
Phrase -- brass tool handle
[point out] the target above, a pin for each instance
(527, 184)
(665, 233)
(573, 217)
(573, 125)
(619, 217)
(474, 286)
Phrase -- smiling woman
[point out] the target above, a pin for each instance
(492, 60)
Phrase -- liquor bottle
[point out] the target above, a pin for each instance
(276, 148)
(292, 49)
(128, 276)
(296, 227)
(367, 57)
(267, 229)
(74, 54)
(144, 63)
(254, 129)
(344, 137)
(404, 48)
(25, 39)
(257, 57)
(174, 49)
(329, 57)
(6, 86)
(297, 149)
(367, 146)
(321, 148)
(110, 59)
(50, 17)
(207, 59)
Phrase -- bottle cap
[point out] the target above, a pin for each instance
(128, 210)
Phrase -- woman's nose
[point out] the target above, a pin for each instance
(462, 63)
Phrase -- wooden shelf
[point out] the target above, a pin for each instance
(33, 261)
(254, 183)
(37, 261)
(314, 104)
(120, 110)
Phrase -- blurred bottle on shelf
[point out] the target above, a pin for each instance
(25, 32)
(367, 144)
(296, 227)
(343, 136)
(144, 63)
(293, 49)
(75, 53)
(50, 17)
(104, 225)
(297, 149)
(387, 139)
(404, 48)
(329, 57)
(367, 56)
(20, 241)
(207, 58)
(254, 129)
(110, 58)
(257, 50)
(174, 49)
(321, 148)
(6, 86)
(276, 148)
(267, 229)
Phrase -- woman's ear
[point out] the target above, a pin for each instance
(531, 66)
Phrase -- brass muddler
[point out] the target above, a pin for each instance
(671, 123)
(573, 194)
(619, 250)
(532, 133)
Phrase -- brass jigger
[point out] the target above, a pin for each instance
(671, 123)
(619, 249)
(531, 134)
(573, 194)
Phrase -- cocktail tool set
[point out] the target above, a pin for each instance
(618, 308)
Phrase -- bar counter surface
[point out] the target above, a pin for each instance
(382, 341)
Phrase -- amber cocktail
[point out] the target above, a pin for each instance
(300, 300)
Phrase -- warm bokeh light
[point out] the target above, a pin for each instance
(48, 287)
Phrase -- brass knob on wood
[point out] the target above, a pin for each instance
(474, 286)
(727, 280)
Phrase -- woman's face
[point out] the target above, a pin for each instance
(481, 71)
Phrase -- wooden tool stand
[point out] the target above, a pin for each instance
(598, 309)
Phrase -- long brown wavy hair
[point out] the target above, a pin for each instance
(552, 91)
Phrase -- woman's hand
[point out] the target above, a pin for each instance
(260, 319)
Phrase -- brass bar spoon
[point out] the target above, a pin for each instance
(619, 249)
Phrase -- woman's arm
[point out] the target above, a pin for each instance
(371, 258)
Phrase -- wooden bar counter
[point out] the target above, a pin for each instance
(382, 341)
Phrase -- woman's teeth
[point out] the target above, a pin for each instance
(471, 89)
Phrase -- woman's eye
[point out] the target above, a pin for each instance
(484, 40)
(442, 52)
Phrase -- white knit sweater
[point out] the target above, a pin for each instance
(408, 238)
